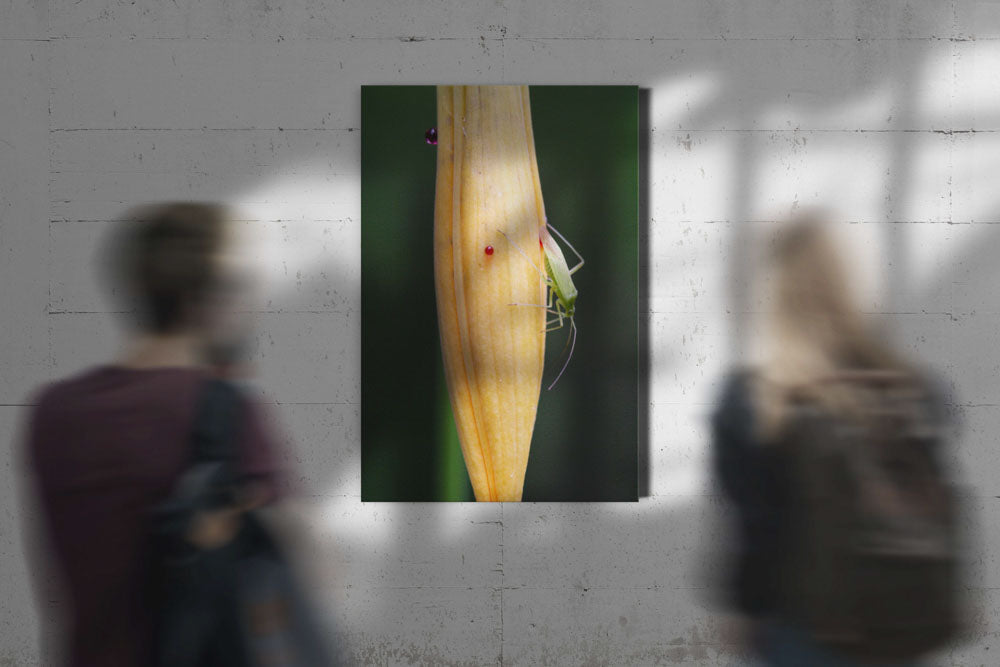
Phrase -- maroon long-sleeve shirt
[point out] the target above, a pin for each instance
(104, 446)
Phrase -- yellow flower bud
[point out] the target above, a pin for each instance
(488, 217)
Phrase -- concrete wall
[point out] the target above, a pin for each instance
(887, 111)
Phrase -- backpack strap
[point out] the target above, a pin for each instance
(209, 479)
(213, 438)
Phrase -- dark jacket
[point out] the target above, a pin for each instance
(754, 477)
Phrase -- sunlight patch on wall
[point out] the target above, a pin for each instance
(674, 100)
(302, 234)
(873, 110)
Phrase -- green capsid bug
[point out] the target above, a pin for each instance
(562, 291)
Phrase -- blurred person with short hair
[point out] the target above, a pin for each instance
(105, 445)
(794, 453)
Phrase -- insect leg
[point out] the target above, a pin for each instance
(536, 305)
(563, 239)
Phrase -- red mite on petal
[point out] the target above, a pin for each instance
(489, 250)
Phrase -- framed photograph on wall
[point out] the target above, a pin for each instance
(499, 323)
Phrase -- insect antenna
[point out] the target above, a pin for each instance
(571, 342)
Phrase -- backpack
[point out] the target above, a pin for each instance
(238, 605)
(872, 553)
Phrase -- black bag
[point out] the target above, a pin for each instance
(872, 557)
(238, 605)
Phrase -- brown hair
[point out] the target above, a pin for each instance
(167, 260)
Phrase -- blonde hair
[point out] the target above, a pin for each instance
(816, 331)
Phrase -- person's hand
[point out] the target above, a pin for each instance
(212, 529)
(215, 528)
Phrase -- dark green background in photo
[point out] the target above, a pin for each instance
(586, 439)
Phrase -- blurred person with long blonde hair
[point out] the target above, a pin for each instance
(814, 334)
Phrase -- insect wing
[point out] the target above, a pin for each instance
(558, 269)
